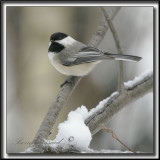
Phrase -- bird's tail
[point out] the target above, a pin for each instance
(123, 57)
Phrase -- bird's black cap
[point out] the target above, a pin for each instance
(58, 36)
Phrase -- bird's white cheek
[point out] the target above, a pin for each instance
(68, 41)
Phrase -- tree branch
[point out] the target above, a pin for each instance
(117, 42)
(66, 91)
(102, 113)
(102, 29)
(134, 89)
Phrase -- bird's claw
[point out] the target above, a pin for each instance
(68, 80)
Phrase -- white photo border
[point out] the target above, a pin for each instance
(156, 77)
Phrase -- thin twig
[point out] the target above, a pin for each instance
(115, 137)
(117, 42)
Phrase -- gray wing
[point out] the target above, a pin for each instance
(85, 55)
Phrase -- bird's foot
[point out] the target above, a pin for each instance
(68, 80)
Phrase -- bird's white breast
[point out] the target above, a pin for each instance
(76, 70)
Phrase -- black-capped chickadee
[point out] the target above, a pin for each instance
(71, 57)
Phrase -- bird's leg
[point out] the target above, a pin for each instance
(68, 80)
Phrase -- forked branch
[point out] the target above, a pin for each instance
(117, 42)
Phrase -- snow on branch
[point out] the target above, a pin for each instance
(75, 134)
(110, 106)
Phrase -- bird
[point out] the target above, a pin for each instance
(73, 58)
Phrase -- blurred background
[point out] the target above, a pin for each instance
(32, 82)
